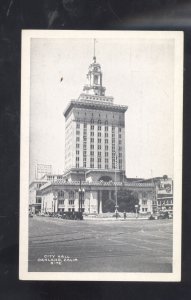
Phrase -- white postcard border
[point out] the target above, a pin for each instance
(27, 35)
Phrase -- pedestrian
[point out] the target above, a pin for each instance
(124, 215)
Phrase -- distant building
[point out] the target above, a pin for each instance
(163, 197)
(35, 197)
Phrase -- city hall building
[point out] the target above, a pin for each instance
(94, 155)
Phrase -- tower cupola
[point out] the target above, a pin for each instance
(94, 80)
(93, 90)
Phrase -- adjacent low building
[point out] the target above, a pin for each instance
(163, 198)
(35, 195)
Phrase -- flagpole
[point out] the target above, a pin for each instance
(94, 47)
(94, 57)
(155, 192)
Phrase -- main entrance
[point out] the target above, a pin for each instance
(108, 202)
(107, 197)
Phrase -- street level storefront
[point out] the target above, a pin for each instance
(165, 195)
(64, 196)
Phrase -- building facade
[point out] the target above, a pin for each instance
(63, 196)
(94, 133)
(163, 197)
(35, 198)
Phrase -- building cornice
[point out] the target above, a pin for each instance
(95, 184)
(94, 105)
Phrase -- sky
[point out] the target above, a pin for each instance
(137, 72)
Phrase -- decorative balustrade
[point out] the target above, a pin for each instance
(103, 183)
(98, 184)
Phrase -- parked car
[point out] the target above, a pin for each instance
(72, 215)
(50, 214)
(42, 214)
(151, 217)
(58, 215)
(163, 215)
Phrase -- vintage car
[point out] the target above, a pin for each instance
(72, 215)
(163, 215)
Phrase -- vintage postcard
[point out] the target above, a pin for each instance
(101, 155)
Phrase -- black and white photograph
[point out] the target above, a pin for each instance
(101, 155)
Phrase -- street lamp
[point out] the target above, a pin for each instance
(116, 205)
(81, 195)
(136, 209)
(55, 198)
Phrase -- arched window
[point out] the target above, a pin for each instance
(92, 121)
(71, 195)
(105, 178)
(99, 121)
(96, 79)
(106, 122)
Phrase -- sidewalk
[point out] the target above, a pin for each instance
(97, 218)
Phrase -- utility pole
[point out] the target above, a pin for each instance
(80, 189)
(155, 192)
(116, 205)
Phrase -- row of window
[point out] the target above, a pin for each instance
(62, 194)
(114, 161)
(92, 145)
(144, 202)
(165, 202)
(114, 166)
(70, 202)
(69, 209)
(92, 121)
(99, 127)
(120, 154)
(145, 209)
(84, 145)
(99, 153)
(99, 140)
(99, 132)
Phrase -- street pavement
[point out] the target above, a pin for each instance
(57, 245)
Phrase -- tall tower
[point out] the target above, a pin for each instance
(94, 132)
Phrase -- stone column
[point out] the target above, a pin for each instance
(56, 205)
(100, 203)
(150, 199)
